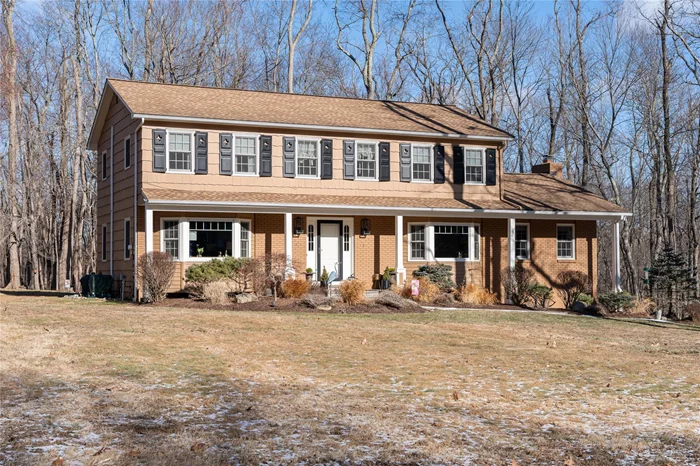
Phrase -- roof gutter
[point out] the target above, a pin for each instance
(293, 126)
(259, 207)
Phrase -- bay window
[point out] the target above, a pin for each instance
(444, 242)
(204, 239)
(366, 160)
(211, 239)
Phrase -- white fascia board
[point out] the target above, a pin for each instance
(320, 209)
(346, 129)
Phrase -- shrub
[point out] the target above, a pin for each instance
(439, 274)
(214, 270)
(156, 270)
(295, 288)
(693, 310)
(427, 291)
(353, 291)
(616, 301)
(542, 296)
(517, 284)
(572, 284)
(218, 292)
(642, 307)
(586, 299)
(277, 268)
(251, 276)
(473, 294)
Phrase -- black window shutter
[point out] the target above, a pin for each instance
(458, 155)
(201, 162)
(384, 162)
(490, 167)
(265, 155)
(439, 164)
(326, 159)
(127, 153)
(159, 150)
(349, 160)
(288, 157)
(225, 154)
(405, 162)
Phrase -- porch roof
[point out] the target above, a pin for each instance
(524, 195)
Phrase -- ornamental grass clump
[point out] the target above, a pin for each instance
(427, 291)
(353, 291)
(470, 293)
(295, 288)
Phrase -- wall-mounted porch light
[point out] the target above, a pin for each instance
(364, 227)
(298, 225)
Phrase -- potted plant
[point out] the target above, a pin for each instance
(385, 282)
(200, 251)
(324, 278)
(309, 274)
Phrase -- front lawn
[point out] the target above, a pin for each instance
(104, 383)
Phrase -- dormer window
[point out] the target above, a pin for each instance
(180, 152)
(366, 161)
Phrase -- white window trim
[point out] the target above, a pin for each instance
(127, 142)
(425, 242)
(131, 239)
(573, 241)
(103, 245)
(184, 236)
(529, 240)
(431, 148)
(376, 160)
(256, 137)
(104, 165)
(170, 131)
(317, 141)
(483, 165)
(430, 242)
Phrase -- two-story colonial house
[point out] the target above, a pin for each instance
(351, 185)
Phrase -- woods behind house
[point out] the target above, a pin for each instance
(609, 89)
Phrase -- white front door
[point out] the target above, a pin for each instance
(329, 248)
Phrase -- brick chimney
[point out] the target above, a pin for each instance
(549, 168)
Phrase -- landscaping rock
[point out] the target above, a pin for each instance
(246, 298)
(391, 299)
(324, 308)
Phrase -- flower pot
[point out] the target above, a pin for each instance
(384, 284)
(309, 277)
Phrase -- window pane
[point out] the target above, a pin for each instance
(421, 163)
(307, 158)
(473, 163)
(346, 238)
(245, 239)
(208, 240)
(565, 242)
(452, 241)
(521, 242)
(366, 161)
(311, 237)
(179, 151)
(417, 240)
(171, 238)
(245, 155)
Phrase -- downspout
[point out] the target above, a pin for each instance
(135, 236)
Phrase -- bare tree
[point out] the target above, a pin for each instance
(293, 40)
(359, 11)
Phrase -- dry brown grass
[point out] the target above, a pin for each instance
(353, 291)
(218, 292)
(473, 294)
(295, 288)
(427, 291)
(104, 383)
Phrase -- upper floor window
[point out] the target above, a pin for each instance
(127, 153)
(180, 152)
(367, 160)
(474, 166)
(245, 155)
(565, 242)
(421, 163)
(307, 158)
(522, 241)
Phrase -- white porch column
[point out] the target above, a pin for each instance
(511, 243)
(617, 282)
(288, 240)
(149, 230)
(398, 232)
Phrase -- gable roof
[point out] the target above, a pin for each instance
(525, 194)
(260, 108)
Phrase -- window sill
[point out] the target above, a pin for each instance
(422, 181)
(566, 259)
(244, 174)
(522, 259)
(181, 172)
(455, 259)
(307, 177)
(366, 179)
(474, 184)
